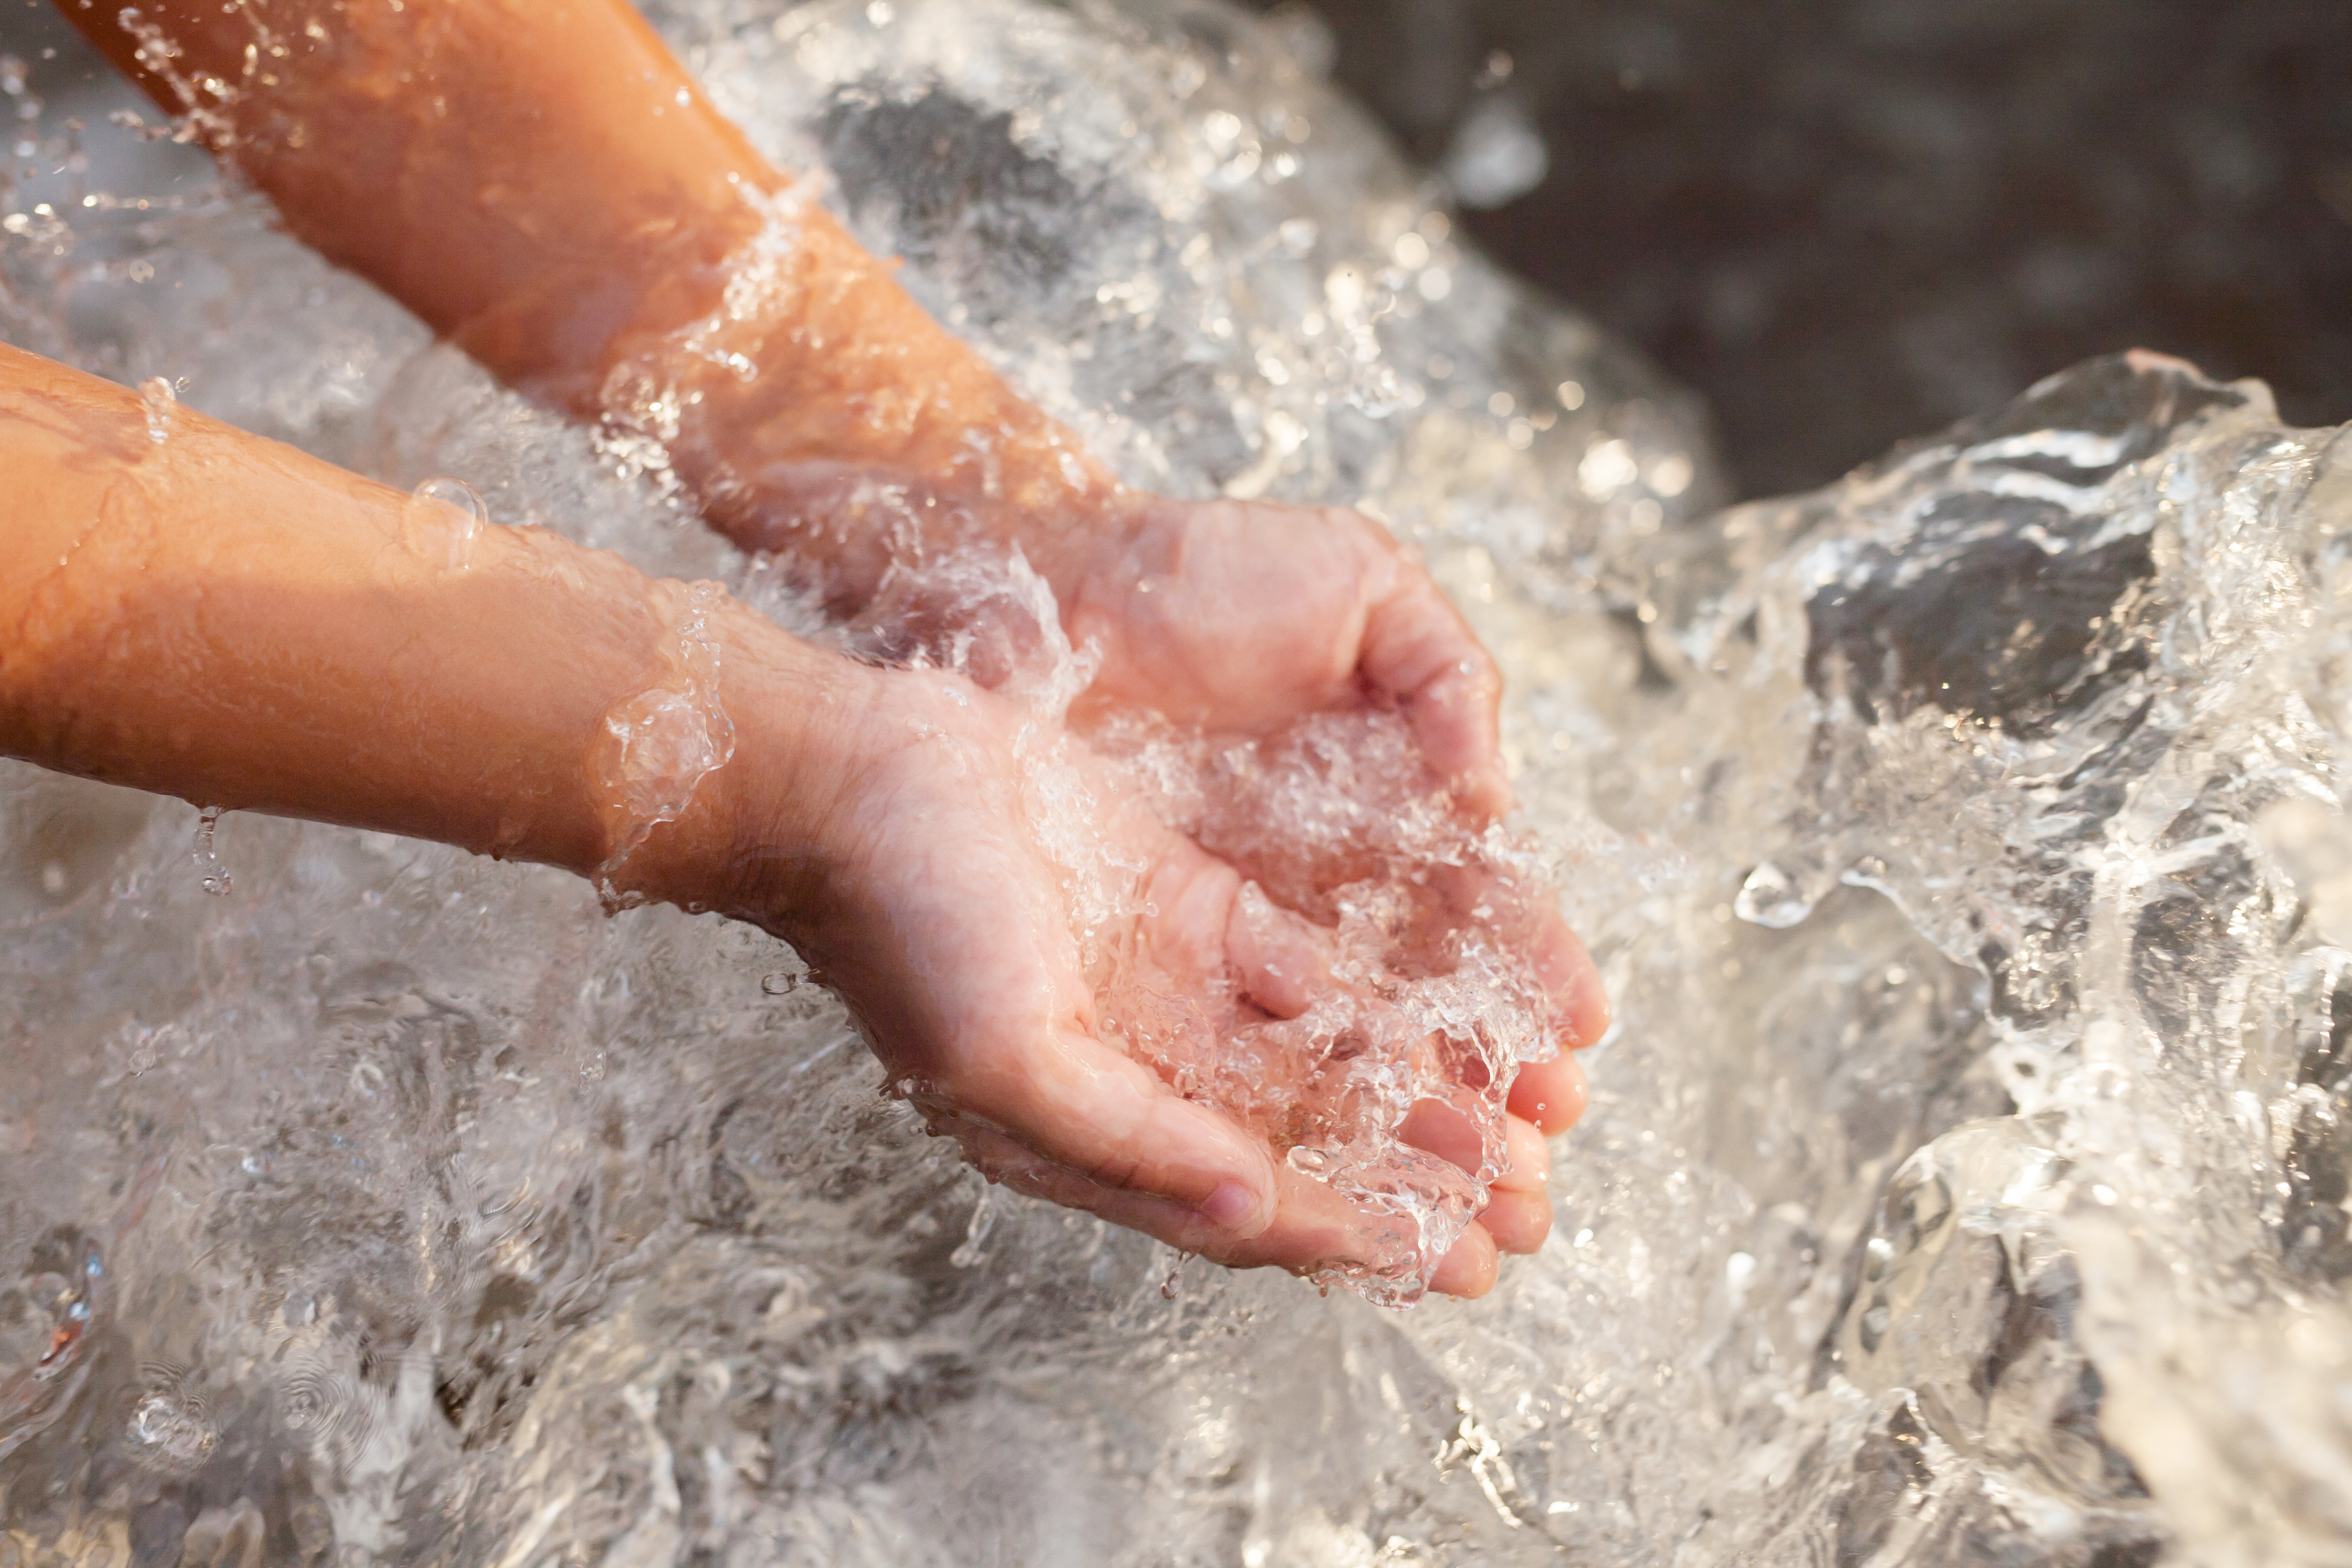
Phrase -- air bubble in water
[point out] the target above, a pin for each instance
(443, 520)
(161, 403)
(218, 880)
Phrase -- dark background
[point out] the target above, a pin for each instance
(1849, 221)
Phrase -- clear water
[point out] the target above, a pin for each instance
(1965, 1181)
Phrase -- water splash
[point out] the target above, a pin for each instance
(1989, 1210)
(1333, 819)
(975, 1234)
(667, 739)
(1769, 897)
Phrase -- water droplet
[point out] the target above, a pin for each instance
(975, 1234)
(782, 984)
(218, 880)
(1174, 1281)
(1497, 154)
(161, 403)
(1770, 898)
(1309, 1161)
(443, 520)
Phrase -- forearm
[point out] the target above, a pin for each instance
(539, 181)
(223, 618)
(534, 174)
(823, 412)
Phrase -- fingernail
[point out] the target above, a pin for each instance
(1230, 1206)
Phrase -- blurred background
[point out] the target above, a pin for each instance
(1845, 222)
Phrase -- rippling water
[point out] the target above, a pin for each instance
(1966, 1178)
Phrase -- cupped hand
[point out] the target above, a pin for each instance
(982, 882)
(1240, 616)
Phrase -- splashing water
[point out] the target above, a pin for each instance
(1334, 816)
(665, 741)
(1963, 846)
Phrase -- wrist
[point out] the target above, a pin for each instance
(754, 839)
(1113, 577)
(826, 415)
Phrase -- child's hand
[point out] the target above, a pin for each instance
(625, 209)
(1241, 616)
(936, 901)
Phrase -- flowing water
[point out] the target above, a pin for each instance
(1966, 1180)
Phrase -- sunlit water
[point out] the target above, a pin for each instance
(1964, 1182)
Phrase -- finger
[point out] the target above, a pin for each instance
(1551, 1094)
(1419, 651)
(1314, 1227)
(1517, 1221)
(1529, 1158)
(1077, 1103)
(1523, 916)
(1178, 1225)
(1446, 1132)
(1470, 1269)
(1573, 981)
(1283, 957)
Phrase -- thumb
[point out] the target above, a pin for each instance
(1081, 1105)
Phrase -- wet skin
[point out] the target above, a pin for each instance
(539, 181)
(227, 619)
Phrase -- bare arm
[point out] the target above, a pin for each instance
(542, 182)
(225, 618)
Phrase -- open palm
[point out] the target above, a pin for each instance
(1013, 928)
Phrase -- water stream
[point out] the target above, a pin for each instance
(1966, 1180)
